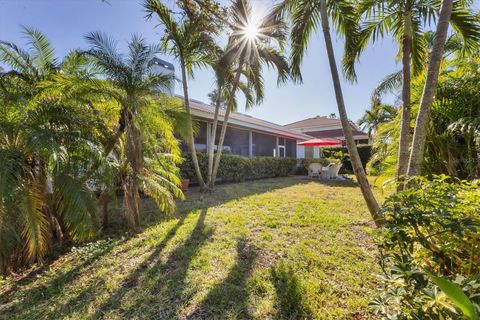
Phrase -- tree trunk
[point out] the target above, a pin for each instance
(213, 133)
(423, 118)
(406, 112)
(477, 147)
(216, 165)
(347, 130)
(191, 137)
(110, 145)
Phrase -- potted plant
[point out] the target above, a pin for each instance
(185, 183)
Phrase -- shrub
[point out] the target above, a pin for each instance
(432, 229)
(341, 153)
(235, 168)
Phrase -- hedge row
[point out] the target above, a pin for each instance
(234, 168)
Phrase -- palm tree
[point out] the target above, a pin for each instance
(136, 90)
(380, 113)
(306, 17)
(423, 117)
(251, 45)
(190, 41)
(45, 138)
(224, 75)
(405, 20)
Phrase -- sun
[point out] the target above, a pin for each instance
(251, 31)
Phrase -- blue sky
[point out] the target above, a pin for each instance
(65, 22)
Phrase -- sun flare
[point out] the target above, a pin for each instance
(251, 31)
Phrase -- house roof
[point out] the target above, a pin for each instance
(325, 127)
(205, 111)
(318, 121)
(337, 134)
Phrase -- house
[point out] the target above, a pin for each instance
(325, 127)
(251, 137)
(246, 135)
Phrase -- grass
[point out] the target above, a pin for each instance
(281, 248)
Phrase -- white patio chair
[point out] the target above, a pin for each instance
(325, 174)
(314, 170)
(333, 170)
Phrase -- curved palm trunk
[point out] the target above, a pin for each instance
(211, 147)
(191, 137)
(347, 130)
(406, 112)
(423, 117)
(224, 124)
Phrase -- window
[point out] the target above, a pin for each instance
(201, 137)
(236, 141)
(263, 145)
(308, 152)
(291, 146)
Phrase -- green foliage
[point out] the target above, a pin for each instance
(341, 154)
(66, 135)
(235, 168)
(432, 238)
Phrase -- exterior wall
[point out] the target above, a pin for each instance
(300, 152)
(245, 142)
(316, 152)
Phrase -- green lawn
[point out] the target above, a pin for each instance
(273, 249)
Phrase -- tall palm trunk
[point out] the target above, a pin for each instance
(406, 112)
(221, 139)
(191, 137)
(134, 154)
(347, 130)
(213, 134)
(423, 118)
(477, 149)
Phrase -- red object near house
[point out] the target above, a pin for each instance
(319, 142)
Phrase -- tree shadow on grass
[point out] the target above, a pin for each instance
(145, 268)
(290, 297)
(229, 299)
(156, 280)
(55, 286)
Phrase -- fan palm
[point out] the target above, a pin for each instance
(44, 140)
(137, 93)
(190, 41)
(307, 17)
(406, 21)
(251, 45)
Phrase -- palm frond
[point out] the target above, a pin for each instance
(43, 56)
(76, 207)
(34, 224)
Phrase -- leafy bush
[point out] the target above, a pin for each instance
(235, 168)
(431, 245)
(341, 153)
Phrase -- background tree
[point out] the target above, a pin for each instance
(224, 78)
(380, 113)
(406, 21)
(251, 45)
(307, 17)
(45, 139)
(136, 92)
(190, 40)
